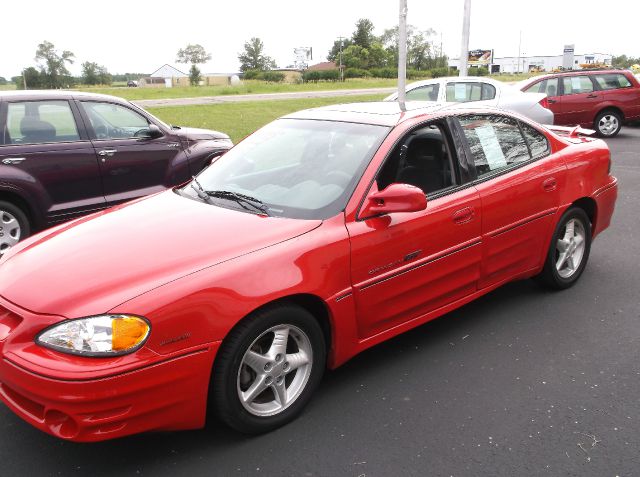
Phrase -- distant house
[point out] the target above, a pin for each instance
(325, 65)
(165, 76)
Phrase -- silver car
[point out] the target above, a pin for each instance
(482, 91)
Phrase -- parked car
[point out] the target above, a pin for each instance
(601, 99)
(324, 233)
(483, 92)
(132, 84)
(64, 154)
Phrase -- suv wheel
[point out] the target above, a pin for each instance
(14, 225)
(608, 123)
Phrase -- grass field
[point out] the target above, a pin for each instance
(241, 119)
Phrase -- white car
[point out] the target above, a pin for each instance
(482, 91)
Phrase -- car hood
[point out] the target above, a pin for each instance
(196, 134)
(99, 262)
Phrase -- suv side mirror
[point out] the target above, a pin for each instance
(395, 198)
(152, 132)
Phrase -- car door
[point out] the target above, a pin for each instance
(405, 265)
(131, 165)
(48, 154)
(580, 101)
(549, 87)
(519, 185)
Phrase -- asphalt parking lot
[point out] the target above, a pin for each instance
(522, 382)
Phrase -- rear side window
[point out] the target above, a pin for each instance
(37, 122)
(424, 93)
(465, 92)
(538, 143)
(577, 84)
(495, 142)
(612, 81)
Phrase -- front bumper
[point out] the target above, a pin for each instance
(163, 393)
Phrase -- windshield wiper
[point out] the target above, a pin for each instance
(200, 190)
(240, 199)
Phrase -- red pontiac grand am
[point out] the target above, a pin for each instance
(320, 235)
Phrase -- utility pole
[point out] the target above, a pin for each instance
(464, 49)
(24, 79)
(341, 38)
(402, 53)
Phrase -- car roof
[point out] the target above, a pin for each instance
(34, 94)
(382, 113)
(585, 71)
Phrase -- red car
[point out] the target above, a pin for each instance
(601, 99)
(320, 235)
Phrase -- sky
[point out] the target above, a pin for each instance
(138, 36)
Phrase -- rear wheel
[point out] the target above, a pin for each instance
(608, 123)
(14, 225)
(569, 250)
(267, 369)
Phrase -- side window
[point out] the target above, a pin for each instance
(464, 92)
(423, 159)
(577, 84)
(112, 121)
(37, 122)
(538, 143)
(612, 81)
(550, 87)
(495, 142)
(424, 93)
(536, 87)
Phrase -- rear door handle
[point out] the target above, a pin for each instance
(550, 184)
(551, 101)
(13, 160)
(592, 96)
(463, 216)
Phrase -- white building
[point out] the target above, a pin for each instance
(513, 64)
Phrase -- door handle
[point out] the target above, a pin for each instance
(551, 101)
(464, 215)
(592, 96)
(13, 160)
(104, 153)
(550, 184)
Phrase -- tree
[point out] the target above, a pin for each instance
(53, 65)
(253, 57)
(363, 35)
(196, 55)
(334, 52)
(89, 73)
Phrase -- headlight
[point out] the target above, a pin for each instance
(106, 335)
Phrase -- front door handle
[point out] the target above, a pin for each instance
(104, 153)
(464, 215)
(550, 184)
(13, 160)
(551, 101)
(592, 96)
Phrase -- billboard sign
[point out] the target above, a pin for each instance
(480, 57)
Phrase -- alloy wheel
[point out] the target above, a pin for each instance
(9, 231)
(608, 124)
(570, 248)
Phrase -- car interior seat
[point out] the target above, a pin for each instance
(424, 165)
(551, 90)
(35, 130)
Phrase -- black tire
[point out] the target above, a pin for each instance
(230, 368)
(7, 211)
(608, 123)
(559, 279)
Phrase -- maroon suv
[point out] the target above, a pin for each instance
(599, 99)
(64, 154)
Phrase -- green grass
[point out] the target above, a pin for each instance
(7, 87)
(240, 119)
(248, 87)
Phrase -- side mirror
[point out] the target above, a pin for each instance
(395, 198)
(152, 132)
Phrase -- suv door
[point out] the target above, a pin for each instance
(580, 101)
(519, 191)
(46, 154)
(405, 265)
(131, 165)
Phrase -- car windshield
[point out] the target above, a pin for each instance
(297, 168)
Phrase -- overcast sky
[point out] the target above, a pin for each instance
(141, 36)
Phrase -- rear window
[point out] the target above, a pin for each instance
(612, 81)
(36, 122)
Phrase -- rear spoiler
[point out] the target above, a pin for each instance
(574, 131)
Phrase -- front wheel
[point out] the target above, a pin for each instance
(14, 225)
(569, 250)
(608, 123)
(267, 369)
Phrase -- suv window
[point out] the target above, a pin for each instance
(464, 92)
(612, 81)
(424, 93)
(36, 122)
(577, 84)
(495, 142)
(112, 121)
